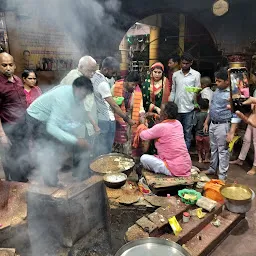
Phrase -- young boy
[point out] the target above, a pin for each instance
(207, 92)
(202, 138)
(220, 133)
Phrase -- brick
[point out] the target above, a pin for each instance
(159, 220)
(146, 224)
(135, 232)
(160, 201)
(175, 210)
(192, 227)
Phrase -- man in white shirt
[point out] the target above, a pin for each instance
(183, 83)
(106, 106)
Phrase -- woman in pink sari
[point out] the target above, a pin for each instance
(172, 158)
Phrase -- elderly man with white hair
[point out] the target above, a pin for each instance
(86, 67)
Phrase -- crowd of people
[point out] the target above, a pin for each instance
(86, 116)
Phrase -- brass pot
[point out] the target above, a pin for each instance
(236, 194)
(237, 64)
(126, 171)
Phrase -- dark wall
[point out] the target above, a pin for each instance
(232, 32)
(93, 29)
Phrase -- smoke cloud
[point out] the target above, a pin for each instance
(85, 23)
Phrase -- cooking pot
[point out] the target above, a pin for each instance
(152, 246)
(238, 198)
(127, 172)
(115, 180)
(237, 194)
(239, 208)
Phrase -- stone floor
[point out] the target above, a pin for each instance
(242, 239)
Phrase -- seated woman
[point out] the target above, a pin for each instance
(32, 91)
(156, 89)
(172, 157)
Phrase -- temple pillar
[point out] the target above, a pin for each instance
(154, 45)
(124, 65)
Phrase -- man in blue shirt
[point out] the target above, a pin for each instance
(52, 120)
(220, 130)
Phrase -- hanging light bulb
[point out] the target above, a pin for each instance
(220, 7)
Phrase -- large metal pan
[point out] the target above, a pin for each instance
(236, 194)
(152, 246)
(127, 172)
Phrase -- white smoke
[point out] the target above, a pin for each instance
(86, 23)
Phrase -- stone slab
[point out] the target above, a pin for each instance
(135, 232)
(209, 237)
(194, 226)
(67, 217)
(176, 209)
(159, 220)
(159, 201)
(158, 181)
(121, 218)
(147, 225)
(143, 203)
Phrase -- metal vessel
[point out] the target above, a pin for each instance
(115, 180)
(236, 193)
(127, 172)
(152, 247)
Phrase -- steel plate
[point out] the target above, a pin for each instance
(152, 247)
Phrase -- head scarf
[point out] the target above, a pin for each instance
(157, 65)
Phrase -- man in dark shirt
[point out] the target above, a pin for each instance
(12, 110)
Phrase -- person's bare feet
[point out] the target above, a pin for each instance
(252, 171)
(200, 161)
(207, 161)
(237, 162)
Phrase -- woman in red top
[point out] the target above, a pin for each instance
(32, 91)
